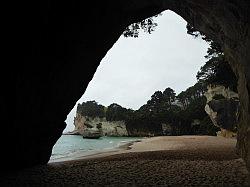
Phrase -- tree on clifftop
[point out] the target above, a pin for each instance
(91, 109)
(216, 70)
(169, 96)
(116, 112)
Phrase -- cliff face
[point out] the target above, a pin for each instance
(61, 45)
(113, 128)
(223, 108)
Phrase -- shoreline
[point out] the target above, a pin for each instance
(146, 144)
(97, 153)
(156, 161)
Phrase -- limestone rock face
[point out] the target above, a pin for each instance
(106, 128)
(227, 111)
(60, 45)
(223, 108)
(220, 90)
(92, 133)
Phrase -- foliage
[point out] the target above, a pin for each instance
(147, 25)
(99, 126)
(194, 32)
(91, 109)
(116, 112)
(183, 112)
(216, 70)
(162, 108)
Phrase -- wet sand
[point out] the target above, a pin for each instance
(157, 161)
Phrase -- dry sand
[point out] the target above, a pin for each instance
(157, 161)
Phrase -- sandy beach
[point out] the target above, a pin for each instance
(157, 161)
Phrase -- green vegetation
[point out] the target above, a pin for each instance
(147, 25)
(91, 109)
(216, 70)
(184, 113)
(116, 112)
(162, 108)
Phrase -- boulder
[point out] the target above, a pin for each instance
(91, 134)
(223, 108)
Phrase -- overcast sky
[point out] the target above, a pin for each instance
(137, 67)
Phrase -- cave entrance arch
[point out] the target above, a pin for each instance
(162, 42)
(163, 51)
(59, 44)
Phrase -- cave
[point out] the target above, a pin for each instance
(59, 45)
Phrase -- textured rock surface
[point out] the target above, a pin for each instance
(226, 113)
(212, 91)
(223, 108)
(113, 128)
(57, 46)
(91, 133)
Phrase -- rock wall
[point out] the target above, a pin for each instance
(223, 108)
(112, 128)
(56, 47)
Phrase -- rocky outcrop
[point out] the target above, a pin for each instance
(223, 109)
(60, 45)
(87, 124)
(92, 133)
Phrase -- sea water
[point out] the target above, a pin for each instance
(70, 147)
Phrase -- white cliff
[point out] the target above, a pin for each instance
(223, 108)
(106, 128)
